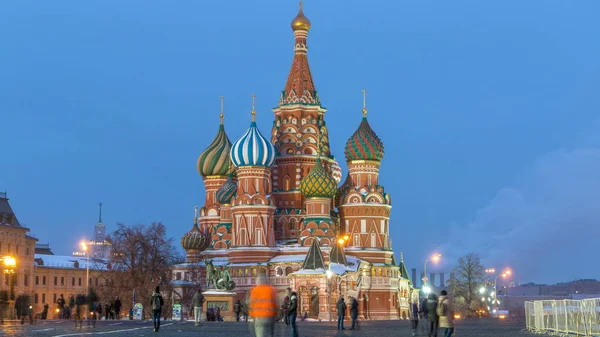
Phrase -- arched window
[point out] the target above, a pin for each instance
(279, 271)
(287, 183)
(288, 270)
(290, 150)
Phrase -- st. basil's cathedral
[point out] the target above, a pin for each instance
(275, 207)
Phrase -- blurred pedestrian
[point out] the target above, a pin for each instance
(432, 314)
(237, 309)
(263, 307)
(293, 313)
(446, 314)
(414, 317)
(354, 313)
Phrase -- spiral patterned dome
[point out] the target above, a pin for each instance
(227, 192)
(336, 171)
(364, 144)
(214, 161)
(252, 149)
(318, 183)
(195, 239)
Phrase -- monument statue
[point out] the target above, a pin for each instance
(216, 278)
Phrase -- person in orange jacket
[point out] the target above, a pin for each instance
(263, 307)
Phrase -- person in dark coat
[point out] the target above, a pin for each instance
(23, 309)
(237, 308)
(354, 313)
(341, 311)
(45, 311)
(293, 312)
(414, 317)
(156, 303)
(118, 308)
(432, 316)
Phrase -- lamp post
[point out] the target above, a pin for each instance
(434, 258)
(329, 274)
(10, 264)
(505, 274)
(85, 248)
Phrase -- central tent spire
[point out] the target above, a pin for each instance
(300, 88)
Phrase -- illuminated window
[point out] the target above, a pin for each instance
(286, 183)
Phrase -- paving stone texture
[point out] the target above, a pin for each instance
(464, 328)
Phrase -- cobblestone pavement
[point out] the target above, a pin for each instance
(464, 328)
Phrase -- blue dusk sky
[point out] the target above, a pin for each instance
(488, 111)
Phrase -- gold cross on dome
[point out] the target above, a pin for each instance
(364, 110)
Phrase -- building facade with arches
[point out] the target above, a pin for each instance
(275, 204)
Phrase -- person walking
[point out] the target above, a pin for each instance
(354, 313)
(446, 314)
(198, 301)
(432, 316)
(341, 311)
(293, 313)
(237, 309)
(263, 307)
(117, 308)
(414, 317)
(423, 315)
(285, 307)
(157, 302)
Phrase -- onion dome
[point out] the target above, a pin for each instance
(253, 149)
(195, 239)
(336, 171)
(364, 143)
(227, 192)
(300, 22)
(318, 183)
(214, 161)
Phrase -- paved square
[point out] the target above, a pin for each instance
(464, 328)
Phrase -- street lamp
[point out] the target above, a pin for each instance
(505, 274)
(10, 264)
(435, 258)
(85, 248)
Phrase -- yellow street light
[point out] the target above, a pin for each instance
(341, 241)
(436, 257)
(346, 237)
(10, 261)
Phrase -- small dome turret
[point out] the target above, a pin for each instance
(227, 192)
(300, 22)
(318, 183)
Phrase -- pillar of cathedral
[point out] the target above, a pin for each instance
(363, 204)
(253, 208)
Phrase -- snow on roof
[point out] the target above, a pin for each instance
(254, 264)
(68, 262)
(288, 258)
(319, 271)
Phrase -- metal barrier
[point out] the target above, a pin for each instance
(564, 317)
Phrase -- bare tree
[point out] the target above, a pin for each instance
(465, 280)
(141, 259)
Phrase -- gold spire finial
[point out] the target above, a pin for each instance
(300, 22)
(222, 115)
(364, 110)
(301, 4)
(195, 215)
(253, 112)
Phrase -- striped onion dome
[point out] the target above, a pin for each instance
(318, 183)
(195, 239)
(336, 171)
(364, 144)
(227, 192)
(214, 161)
(253, 149)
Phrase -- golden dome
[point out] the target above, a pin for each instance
(300, 22)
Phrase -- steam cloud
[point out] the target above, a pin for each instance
(547, 227)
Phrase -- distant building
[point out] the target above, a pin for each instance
(15, 242)
(100, 248)
(56, 274)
